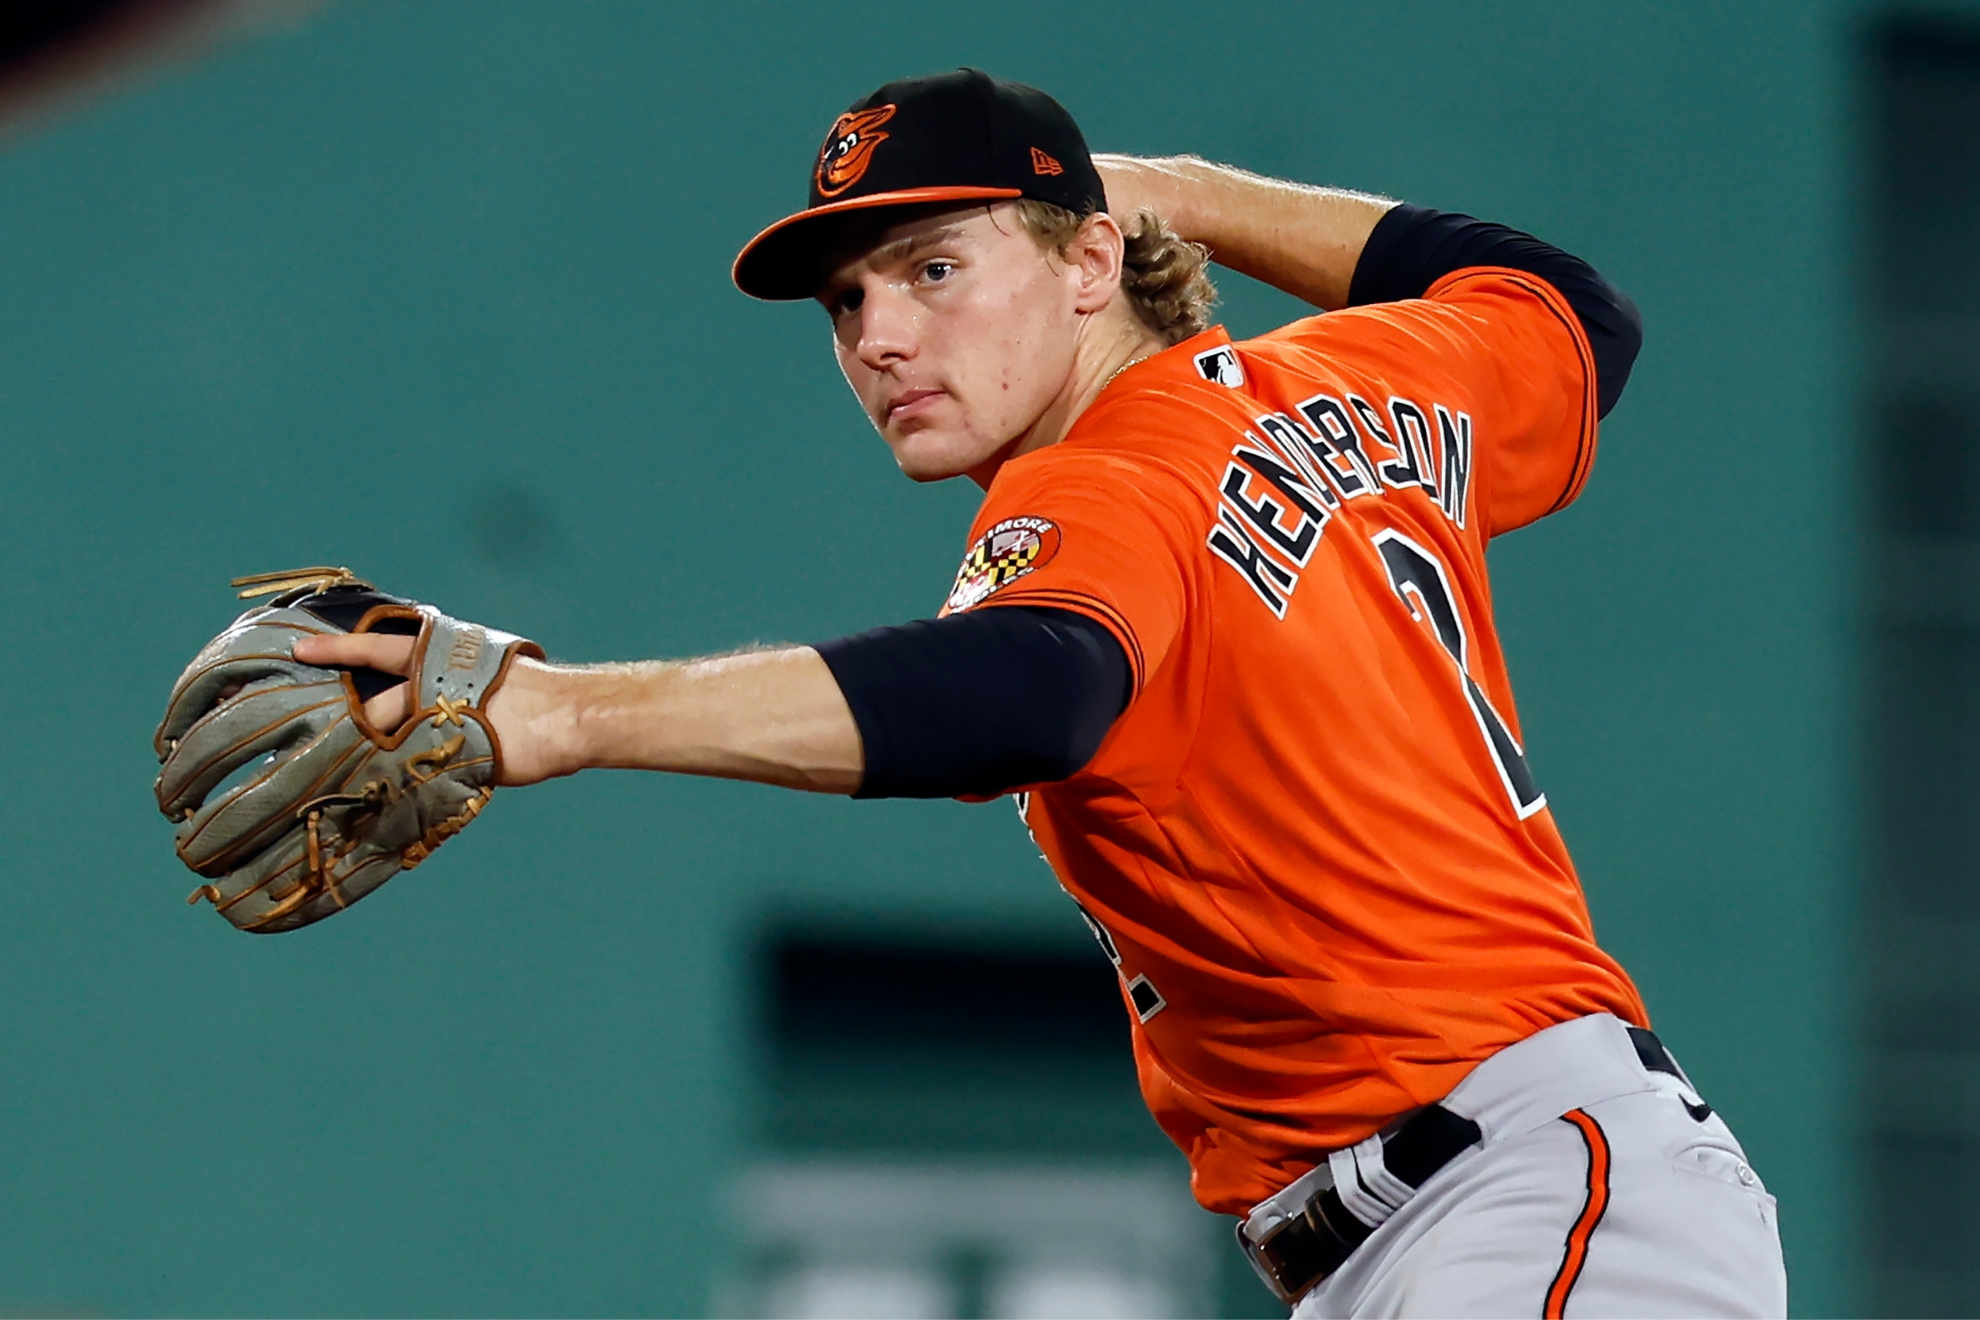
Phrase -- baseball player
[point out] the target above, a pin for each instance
(1223, 629)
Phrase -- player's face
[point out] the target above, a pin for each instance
(958, 332)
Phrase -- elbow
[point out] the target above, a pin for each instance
(916, 695)
(1061, 756)
(1615, 333)
(1048, 752)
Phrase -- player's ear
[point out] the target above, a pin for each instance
(1095, 255)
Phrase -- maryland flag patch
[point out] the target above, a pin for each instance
(1008, 551)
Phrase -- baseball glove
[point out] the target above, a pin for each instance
(315, 808)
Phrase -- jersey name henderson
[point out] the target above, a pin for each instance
(1322, 866)
(1285, 479)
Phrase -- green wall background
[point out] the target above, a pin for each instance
(440, 290)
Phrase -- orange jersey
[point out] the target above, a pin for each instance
(1311, 843)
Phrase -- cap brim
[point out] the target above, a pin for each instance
(786, 262)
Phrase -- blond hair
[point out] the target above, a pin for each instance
(1162, 273)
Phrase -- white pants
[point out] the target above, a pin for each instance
(1595, 1192)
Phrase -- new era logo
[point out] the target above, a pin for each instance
(1044, 164)
(1220, 366)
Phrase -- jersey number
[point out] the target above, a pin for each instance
(1420, 583)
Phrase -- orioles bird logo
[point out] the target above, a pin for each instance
(849, 149)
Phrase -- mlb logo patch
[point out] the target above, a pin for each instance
(1220, 366)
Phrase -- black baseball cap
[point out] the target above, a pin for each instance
(948, 137)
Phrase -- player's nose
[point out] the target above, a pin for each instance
(889, 323)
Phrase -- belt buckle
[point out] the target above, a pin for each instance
(1262, 1266)
(1329, 1228)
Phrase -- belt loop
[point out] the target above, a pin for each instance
(1371, 1162)
(1305, 1246)
(1366, 1187)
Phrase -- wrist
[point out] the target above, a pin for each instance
(1167, 185)
(536, 716)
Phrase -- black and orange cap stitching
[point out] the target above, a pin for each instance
(951, 137)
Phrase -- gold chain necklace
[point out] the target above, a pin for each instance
(1131, 362)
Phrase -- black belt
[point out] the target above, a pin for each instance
(1313, 1243)
(1324, 1233)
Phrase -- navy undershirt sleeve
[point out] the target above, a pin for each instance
(1412, 247)
(979, 703)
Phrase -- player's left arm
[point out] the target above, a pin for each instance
(972, 704)
(1017, 687)
(773, 715)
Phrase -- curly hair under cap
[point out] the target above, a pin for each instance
(1163, 274)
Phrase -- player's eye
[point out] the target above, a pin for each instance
(937, 271)
(848, 302)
